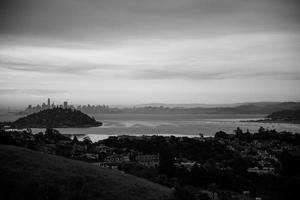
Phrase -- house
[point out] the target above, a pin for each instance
(106, 165)
(188, 165)
(78, 150)
(264, 170)
(26, 130)
(103, 149)
(91, 156)
(148, 160)
(117, 158)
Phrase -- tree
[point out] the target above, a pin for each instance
(166, 163)
(87, 140)
(238, 131)
(261, 130)
(75, 140)
(221, 134)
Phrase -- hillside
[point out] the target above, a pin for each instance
(292, 116)
(26, 174)
(251, 108)
(56, 118)
(243, 108)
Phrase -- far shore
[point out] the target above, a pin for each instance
(272, 121)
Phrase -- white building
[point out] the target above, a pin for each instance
(148, 160)
(264, 170)
(117, 158)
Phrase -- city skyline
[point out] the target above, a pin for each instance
(125, 52)
(34, 107)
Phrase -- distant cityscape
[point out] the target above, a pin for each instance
(83, 108)
(250, 108)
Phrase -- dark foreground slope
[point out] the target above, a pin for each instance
(26, 174)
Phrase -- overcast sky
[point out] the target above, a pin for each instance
(142, 51)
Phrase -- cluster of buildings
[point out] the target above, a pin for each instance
(93, 108)
(185, 163)
(97, 154)
(263, 170)
(83, 108)
(107, 157)
(48, 105)
(263, 161)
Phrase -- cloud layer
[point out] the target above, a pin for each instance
(160, 50)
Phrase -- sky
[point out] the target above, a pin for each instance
(149, 51)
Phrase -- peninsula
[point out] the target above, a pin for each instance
(283, 116)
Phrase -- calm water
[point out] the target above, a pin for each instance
(179, 125)
(165, 124)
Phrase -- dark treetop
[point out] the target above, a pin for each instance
(56, 118)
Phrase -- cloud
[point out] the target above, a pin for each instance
(122, 47)
(247, 55)
(168, 74)
(198, 75)
(77, 68)
(31, 92)
(119, 19)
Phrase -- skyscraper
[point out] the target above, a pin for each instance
(48, 103)
(65, 104)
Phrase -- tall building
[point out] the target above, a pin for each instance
(48, 103)
(44, 106)
(65, 104)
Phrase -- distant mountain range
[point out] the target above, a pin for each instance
(240, 108)
(252, 108)
(195, 105)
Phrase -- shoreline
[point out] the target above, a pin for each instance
(272, 121)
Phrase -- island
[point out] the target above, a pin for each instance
(55, 118)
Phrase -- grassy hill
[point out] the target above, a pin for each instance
(26, 174)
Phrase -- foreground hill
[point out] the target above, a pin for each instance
(26, 174)
(56, 118)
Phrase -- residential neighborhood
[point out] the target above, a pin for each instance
(248, 161)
